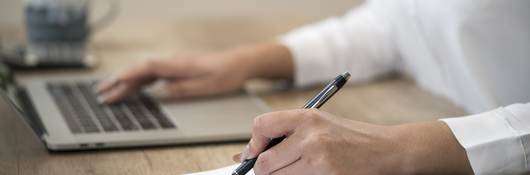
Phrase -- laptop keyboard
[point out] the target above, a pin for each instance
(82, 112)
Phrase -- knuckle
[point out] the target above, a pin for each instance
(261, 122)
(253, 147)
(123, 77)
(313, 112)
(150, 63)
(324, 136)
(326, 155)
(310, 144)
(313, 120)
(319, 160)
(318, 142)
(323, 160)
(258, 123)
(263, 164)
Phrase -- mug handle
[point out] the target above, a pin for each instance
(108, 17)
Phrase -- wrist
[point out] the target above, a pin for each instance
(431, 148)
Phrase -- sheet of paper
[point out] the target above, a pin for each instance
(221, 171)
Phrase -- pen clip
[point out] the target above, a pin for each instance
(323, 97)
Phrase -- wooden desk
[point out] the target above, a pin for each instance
(389, 101)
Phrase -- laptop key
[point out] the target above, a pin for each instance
(66, 110)
(122, 118)
(106, 123)
(156, 112)
(134, 113)
(143, 119)
(86, 121)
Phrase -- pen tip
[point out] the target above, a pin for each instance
(346, 75)
(235, 173)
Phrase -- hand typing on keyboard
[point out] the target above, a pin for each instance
(208, 74)
(84, 114)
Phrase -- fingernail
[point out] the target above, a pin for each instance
(102, 99)
(160, 93)
(112, 78)
(244, 154)
(98, 88)
(237, 157)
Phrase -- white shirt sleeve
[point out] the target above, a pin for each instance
(359, 42)
(496, 142)
(363, 42)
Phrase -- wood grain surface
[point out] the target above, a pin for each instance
(392, 100)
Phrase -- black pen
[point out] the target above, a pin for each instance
(318, 100)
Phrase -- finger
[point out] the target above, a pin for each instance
(130, 80)
(297, 167)
(138, 74)
(107, 84)
(236, 157)
(281, 155)
(151, 69)
(117, 93)
(272, 125)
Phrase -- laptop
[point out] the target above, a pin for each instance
(65, 115)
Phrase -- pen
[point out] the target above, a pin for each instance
(318, 100)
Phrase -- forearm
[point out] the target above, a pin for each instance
(269, 60)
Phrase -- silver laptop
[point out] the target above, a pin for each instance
(66, 116)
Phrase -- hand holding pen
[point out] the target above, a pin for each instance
(316, 102)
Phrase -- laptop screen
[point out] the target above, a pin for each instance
(12, 99)
(10, 94)
(8, 89)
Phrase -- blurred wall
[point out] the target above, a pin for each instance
(161, 10)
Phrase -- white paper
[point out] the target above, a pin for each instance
(221, 171)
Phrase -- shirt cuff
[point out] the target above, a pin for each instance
(312, 55)
(360, 42)
(492, 144)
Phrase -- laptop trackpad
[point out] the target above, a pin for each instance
(215, 116)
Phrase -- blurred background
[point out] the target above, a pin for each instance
(162, 28)
(144, 29)
(137, 11)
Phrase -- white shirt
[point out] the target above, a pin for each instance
(474, 52)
